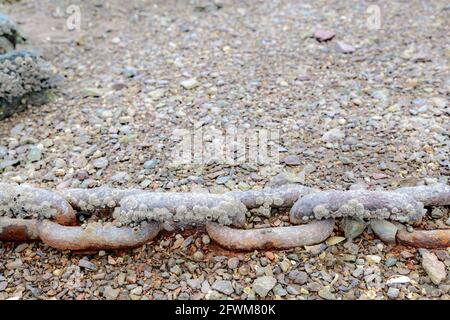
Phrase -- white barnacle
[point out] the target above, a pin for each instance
(131, 203)
(321, 210)
(394, 210)
(181, 210)
(259, 200)
(278, 201)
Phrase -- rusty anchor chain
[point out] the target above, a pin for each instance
(32, 214)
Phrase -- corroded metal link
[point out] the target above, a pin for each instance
(24, 214)
(271, 238)
(96, 236)
(431, 239)
(18, 229)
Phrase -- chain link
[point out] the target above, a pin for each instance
(32, 214)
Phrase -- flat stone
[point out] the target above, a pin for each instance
(263, 285)
(324, 35)
(433, 267)
(101, 163)
(353, 227)
(385, 230)
(110, 293)
(87, 265)
(223, 286)
(344, 47)
(189, 84)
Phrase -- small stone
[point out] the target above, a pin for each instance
(110, 293)
(14, 264)
(324, 35)
(437, 213)
(233, 263)
(374, 259)
(137, 291)
(393, 293)
(189, 84)
(263, 285)
(316, 249)
(205, 287)
(334, 240)
(21, 247)
(129, 72)
(35, 154)
(205, 239)
(120, 177)
(222, 180)
(101, 163)
(333, 135)
(198, 256)
(278, 290)
(398, 280)
(353, 227)
(298, 277)
(87, 265)
(344, 47)
(223, 286)
(150, 164)
(157, 94)
(433, 267)
(385, 230)
(325, 293)
(391, 261)
(292, 160)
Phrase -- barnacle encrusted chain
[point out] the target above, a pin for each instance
(108, 218)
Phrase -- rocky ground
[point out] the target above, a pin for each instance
(369, 106)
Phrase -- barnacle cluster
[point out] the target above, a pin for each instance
(353, 208)
(265, 204)
(180, 208)
(24, 78)
(26, 202)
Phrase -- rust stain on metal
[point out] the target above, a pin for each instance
(431, 239)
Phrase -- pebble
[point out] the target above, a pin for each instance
(385, 230)
(324, 35)
(87, 265)
(333, 135)
(374, 259)
(35, 154)
(325, 293)
(233, 263)
(393, 293)
(101, 163)
(344, 47)
(391, 261)
(223, 286)
(433, 267)
(398, 280)
(189, 84)
(150, 164)
(263, 285)
(14, 264)
(353, 227)
(298, 277)
(110, 293)
(198, 256)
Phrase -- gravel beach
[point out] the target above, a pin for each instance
(355, 102)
